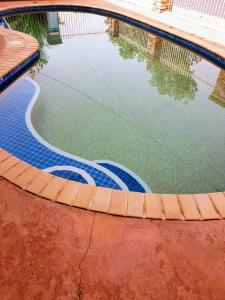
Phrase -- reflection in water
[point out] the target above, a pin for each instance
(169, 64)
(50, 28)
(218, 93)
(79, 24)
(53, 37)
(128, 39)
(37, 26)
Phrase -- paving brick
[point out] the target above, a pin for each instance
(206, 207)
(118, 203)
(16, 170)
(53, 188)
(39, 183)
(153, 206)
(218, 199)
(69, 192)
(23, 179)
(4, 155)
(135, 204)
(101, 200)
(84, 196)
(189, 207)
(8, 163)
(171, 207)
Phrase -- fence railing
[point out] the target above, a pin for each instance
(210, 7)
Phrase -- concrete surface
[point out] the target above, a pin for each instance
(54, 252)
(204, 30)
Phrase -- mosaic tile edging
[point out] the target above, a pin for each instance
(210, 55)
(20, 138)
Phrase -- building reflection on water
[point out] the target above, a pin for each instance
(53, 37)
(218, 93)
(173, 70)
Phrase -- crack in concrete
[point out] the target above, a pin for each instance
(79, 292)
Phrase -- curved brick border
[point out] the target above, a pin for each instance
(2, 44)
(154, 206)
(18, 53)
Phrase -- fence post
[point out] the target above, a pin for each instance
(114, 27)
(162, 5)
(218, 93)
(154, 47)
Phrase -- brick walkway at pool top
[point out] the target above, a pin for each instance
(15, 48)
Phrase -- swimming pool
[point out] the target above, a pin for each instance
(118, 107)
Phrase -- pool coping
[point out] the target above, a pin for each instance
(115, 202)
(18, 54)
(122, 203)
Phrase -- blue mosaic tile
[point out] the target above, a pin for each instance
(70, 175)
(131, 182)
(19, 139)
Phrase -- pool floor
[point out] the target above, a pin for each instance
(138, 112)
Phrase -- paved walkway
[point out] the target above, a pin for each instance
(15, 48)
(119, 203)
(203, 30)
(54, 252)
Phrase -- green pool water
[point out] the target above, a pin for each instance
(111, 91)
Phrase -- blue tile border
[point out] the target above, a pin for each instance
(218, 60)
(19, 137)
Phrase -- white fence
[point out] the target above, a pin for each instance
(214, 8)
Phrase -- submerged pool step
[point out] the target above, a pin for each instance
(121, 203)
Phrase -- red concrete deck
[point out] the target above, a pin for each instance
(170, 207)
(54, 252)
